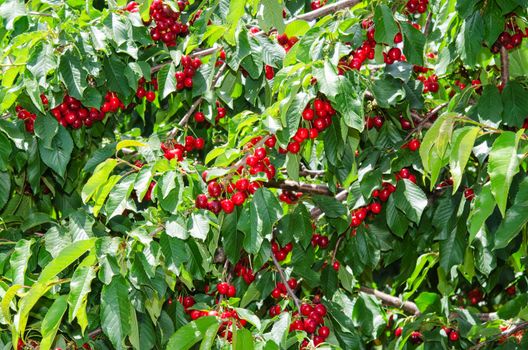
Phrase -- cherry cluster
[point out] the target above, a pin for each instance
(132, 7)
(311, 320)
(320, 241)
(417, 6)
(142, 91)
(289, 197)
(280, 290)
(27, 117)
(226, 289)
(384, 193)
(360, 214)
(178, 151)
(374, 122)
(405, 173)
(511, 38)
(366, 51)
(167, 28)
(475, 296)
(286, 42)
(221, 58)
(245, 272)
(430, 83)
(393, 55)
(221, 112)
(72, 113)
(413, 145)
(184, 78)
(281, 253)
(232, 318)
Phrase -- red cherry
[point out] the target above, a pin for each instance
(214, 189)
(195, 314)
(398, 332)
(294, 147)
(222, 287)
(398, 38)
(416, 337)
(292, 283)
(231, 292)
(281, 255)
(238, 198)
(404, 173)
(469, 194)
(453, 335)
(324, 332)
(199, 143)
(150, 95)
(308, 114)
(309, 325)
(414, 145)
(252, 161)
(201, 201)
(336, 265)
(276, 293)
(375, 208)
(314, 133)
(188, 301)
(260, 153)
(227, 206)
(288, 247)
(306, 309)
(323, 242)
(320, 309)
(271, 141)
(395, 54)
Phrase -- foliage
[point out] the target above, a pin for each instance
(263, 174)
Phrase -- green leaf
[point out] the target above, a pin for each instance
(296, 28)
(513, 307)
(514, 97)
(243, 340)
(80, 287)
(280, 328)
(117, 201)
(482, 209)
(46, 128)
(453, 248)
(469, 39)
(349, 103)
(10, 10)
(516, 217)
(388, 91)
(460, 152)
(129, 143)
(265, 211)
(115, 311)
(58, 157)
(19, 260)
(428, 302)
(5, 188)
(52, 321)
(209, 337)
(98, 179)
(368, 316)
(386, 27)
(424, 263)
(5, 304)
(191, 333)
(199, 226)
(414, 43)
(396, 220)
(410, 199)
(489, 105)
(272, 15)
(100, 155)
(166, 80)
(503, 165)
(330, 206)
(174, 252)
(72, 74)
(114, 68)
(42, 60)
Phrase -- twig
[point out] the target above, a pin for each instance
(387, 299)
(428, 21)
(505, 66)
(285, 282)
(425, 121)
(337, 247)
(196, 104)
(299, 187)
(95, 333)
(506, 333)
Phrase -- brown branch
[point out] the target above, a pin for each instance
(337, 247)
(196, 104)
(424, 122)
(285, 282)
(387, 299)
(95, 333)
(325, 10)
(290, 185)
(505, 66)
(507, 333)
(428, 21)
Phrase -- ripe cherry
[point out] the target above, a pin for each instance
(214, 189)
(294, 147)
(320, 309)
(199, 117)
(271, 141)
(323, 242)
(306, 309)
(150, 95)
(398, 332)
(416, 337)
(395, 54)
(336, 265)
(414, 145)
(469, 194)
(199, 143)
(375, 208)
(231, 292)
(324, 332)
(227, 206)
(398, 38)
(222, 287)
(308, 114)
(292, 283)
(201, 201)
(453, 335)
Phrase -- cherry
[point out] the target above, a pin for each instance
(214, 189)
(271, 141)
(222, 287)
(308, 114)
(404, 173)
(320, 309)
(188, 301)
(252, 161)
(405, 124)
(511, 290)
(453, 335)
(231, 292)
(269, 72)
(416, 337)
(398, 332)
(227, 206)
(260, 153)
(314, 133)
(375, 208)
(309, 325)
(214, 206)
(398, 38)
(281, 255)
(199, 143)
(318, 340)
(201, 201)
(292, 283)
(378, 121)
(294, 147)
(324, 332)
(150, 96)
(195, 314)
(469, 194)
(395, 54)
(199, 117)
(323, 242)
(306, 309)
(336, 265)
(288, 247)
(276, 293)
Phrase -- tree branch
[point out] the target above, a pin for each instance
(505, 66)
(290, 185)
(390, 300)
(424, 122)
(506, 333)
(196, 104)
(315, 213)
(285, 282)
(325, 10)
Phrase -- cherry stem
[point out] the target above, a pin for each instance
(337, 247)
(285, 282)
(505, 66)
